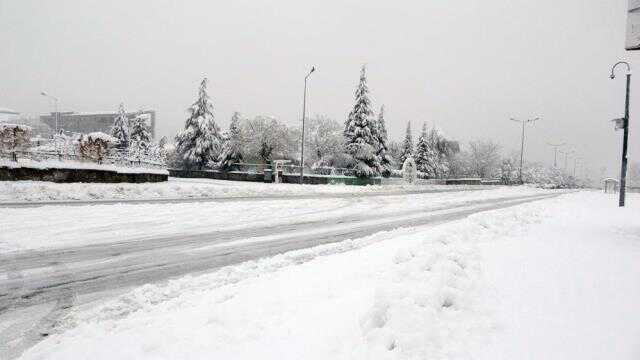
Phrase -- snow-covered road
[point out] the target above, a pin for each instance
(550, 279)
(61, 255)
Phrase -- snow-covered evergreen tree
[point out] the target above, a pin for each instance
(232, 146)
(383, 150)
(360, 132)
(120, 128)
(407, 146)
(199, 143)
(140, 136)
(426, 156)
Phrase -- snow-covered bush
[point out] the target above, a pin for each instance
(96, 145)
(14, 137)
(548, 177)
(508, 172)
(409, 171)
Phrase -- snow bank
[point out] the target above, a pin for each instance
(187, 188)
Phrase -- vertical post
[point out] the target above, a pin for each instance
(57, 115)
(522, 150)
(625, 138)
(555, 157)
(304, 114)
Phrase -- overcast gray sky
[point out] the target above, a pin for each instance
(466, 66)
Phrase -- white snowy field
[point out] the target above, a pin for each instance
(551, 279)
(58, 226)
(176, 188)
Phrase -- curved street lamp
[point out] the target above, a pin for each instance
(625, 128)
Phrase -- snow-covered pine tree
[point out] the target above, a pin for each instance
(232, 146)
(359, 132)
(407, 145)
(120, 128)
(383, 150)
(426, 157)
(140, 136)
(199, 143)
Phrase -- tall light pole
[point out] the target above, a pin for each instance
(575, 164)
(304, 115)
(566, 154)
(55, 100)
(625, 128)
(524, 122)
(555, 152)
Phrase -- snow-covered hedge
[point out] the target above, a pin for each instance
(14, 137)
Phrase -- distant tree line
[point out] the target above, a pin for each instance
(360, 144)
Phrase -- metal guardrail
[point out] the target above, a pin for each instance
(293, 169)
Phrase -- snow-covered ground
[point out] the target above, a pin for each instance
(553, 279)
(56, 226)
(11, 191)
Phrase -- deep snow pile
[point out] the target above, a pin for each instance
(185, 188)
(430, 293)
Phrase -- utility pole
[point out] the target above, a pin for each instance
(304, 114)
(625, 129)
(555, 152)
(524, 122)
(566, 157)
(575, 163)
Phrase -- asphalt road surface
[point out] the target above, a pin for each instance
(55, 279)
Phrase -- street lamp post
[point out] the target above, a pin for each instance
(55, 100)
(625, 129)
(524, 122)
(575, 164)
(566, 154)
(304, 114)
(555, 153)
